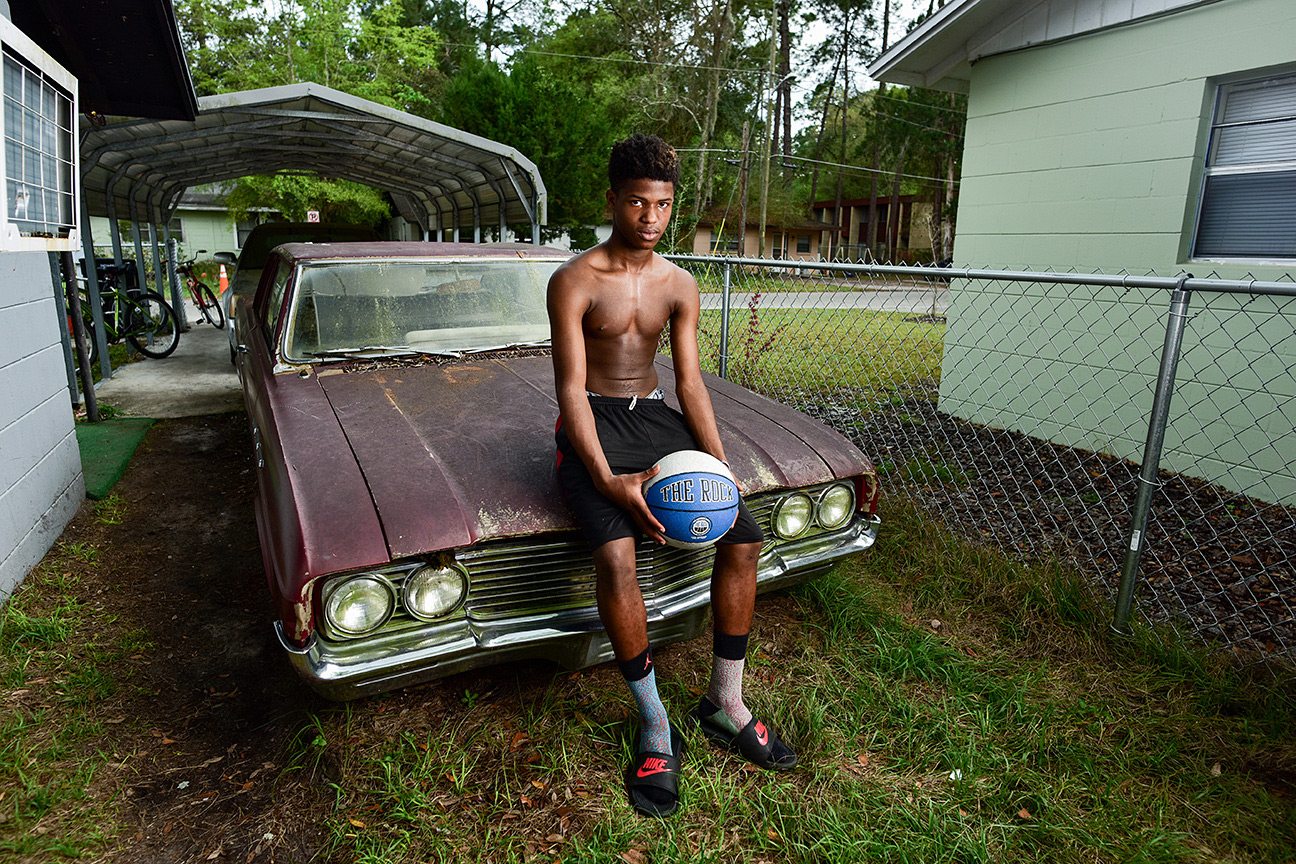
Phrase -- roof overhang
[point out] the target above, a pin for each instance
(940, 52)
(125, 54)
(138, 169)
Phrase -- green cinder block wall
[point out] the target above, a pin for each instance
(1088, 154)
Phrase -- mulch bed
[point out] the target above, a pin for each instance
(1218, 563)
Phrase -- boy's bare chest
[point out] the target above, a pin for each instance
(624, 313)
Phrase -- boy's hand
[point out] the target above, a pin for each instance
(626, 491)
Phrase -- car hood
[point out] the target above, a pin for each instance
(458, 453)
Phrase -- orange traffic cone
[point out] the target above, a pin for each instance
(224, 280)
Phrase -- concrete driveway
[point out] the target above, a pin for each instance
(197, 379)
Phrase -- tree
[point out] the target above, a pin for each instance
(555, 124)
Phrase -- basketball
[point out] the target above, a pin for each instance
(694, 497)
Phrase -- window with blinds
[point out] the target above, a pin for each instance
(1248, 201)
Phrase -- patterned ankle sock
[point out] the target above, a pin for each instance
(725, 691)
(654, 727)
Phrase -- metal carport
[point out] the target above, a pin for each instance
(447, 181)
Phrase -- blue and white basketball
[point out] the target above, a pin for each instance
(694, 497)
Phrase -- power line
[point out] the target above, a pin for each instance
(841, 165)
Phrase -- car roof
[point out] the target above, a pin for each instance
(298, 252)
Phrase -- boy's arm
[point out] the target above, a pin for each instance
(695, 401)
(567, 304)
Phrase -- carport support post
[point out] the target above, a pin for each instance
(724, 321)
(173, 250)
(139, 253)
(65, 324)
(79, 338)
(114, 227)
(1147, 479)
(92, 291)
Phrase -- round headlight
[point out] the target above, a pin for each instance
(359, 605)
(792, 515)
(835, 505)
(431, 592)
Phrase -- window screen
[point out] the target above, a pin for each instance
(1248, 203)
(38, 151)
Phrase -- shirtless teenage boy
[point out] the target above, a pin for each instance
(607, 309)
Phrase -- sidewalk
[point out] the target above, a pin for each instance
(196, 379)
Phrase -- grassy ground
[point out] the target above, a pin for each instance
(948, 705)
(777, 350)
(710, 279)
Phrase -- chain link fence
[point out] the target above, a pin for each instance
(1031, 410)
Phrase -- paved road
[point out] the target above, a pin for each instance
(909, 300)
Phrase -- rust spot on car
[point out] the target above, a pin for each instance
(468, 375)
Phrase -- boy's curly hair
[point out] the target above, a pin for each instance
(642, 157)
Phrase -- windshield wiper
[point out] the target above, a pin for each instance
(376, 351)
(537, 343)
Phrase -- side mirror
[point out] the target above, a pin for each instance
(225, 258)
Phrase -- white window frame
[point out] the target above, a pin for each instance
(11, 240)
(1222, 90)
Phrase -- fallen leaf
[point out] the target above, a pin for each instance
(1216, 770)
(215, 854)
(537, 784)
(533, 758)
(519, 738)
(962, 812)
(356, 822)
(863, 760)
(1024, 814)
(116, 720)
(166, 740)
(773, 835)
(633, 856)
(556, 838)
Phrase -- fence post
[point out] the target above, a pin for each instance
(1147, 479)
(724, 322)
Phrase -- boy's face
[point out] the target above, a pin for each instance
(641, 210)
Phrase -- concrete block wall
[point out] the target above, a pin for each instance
(1088, 154)
(41, 485)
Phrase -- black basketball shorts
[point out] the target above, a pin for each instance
(633, 439)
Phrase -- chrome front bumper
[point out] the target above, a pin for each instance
(573, 639)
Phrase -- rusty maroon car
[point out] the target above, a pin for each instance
(412, 524)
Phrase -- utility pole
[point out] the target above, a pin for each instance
(742, 193)
(767, 143)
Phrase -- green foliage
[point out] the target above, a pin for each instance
(552, 121)
(292, 195)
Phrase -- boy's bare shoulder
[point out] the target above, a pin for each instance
(579, 270)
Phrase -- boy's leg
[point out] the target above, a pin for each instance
(733, 602)
(624, 617)
(722, 711)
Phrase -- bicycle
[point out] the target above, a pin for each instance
(143, 319)
(203, 297)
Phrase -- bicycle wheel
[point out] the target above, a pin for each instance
(154, 328)
(211, 308)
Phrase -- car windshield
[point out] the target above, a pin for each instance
(417, 306)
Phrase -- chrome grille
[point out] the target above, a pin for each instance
(555, 573)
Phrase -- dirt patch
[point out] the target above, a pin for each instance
(203, 723)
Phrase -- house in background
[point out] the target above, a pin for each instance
(903, 233)
(717, 234)
(1121, 135)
